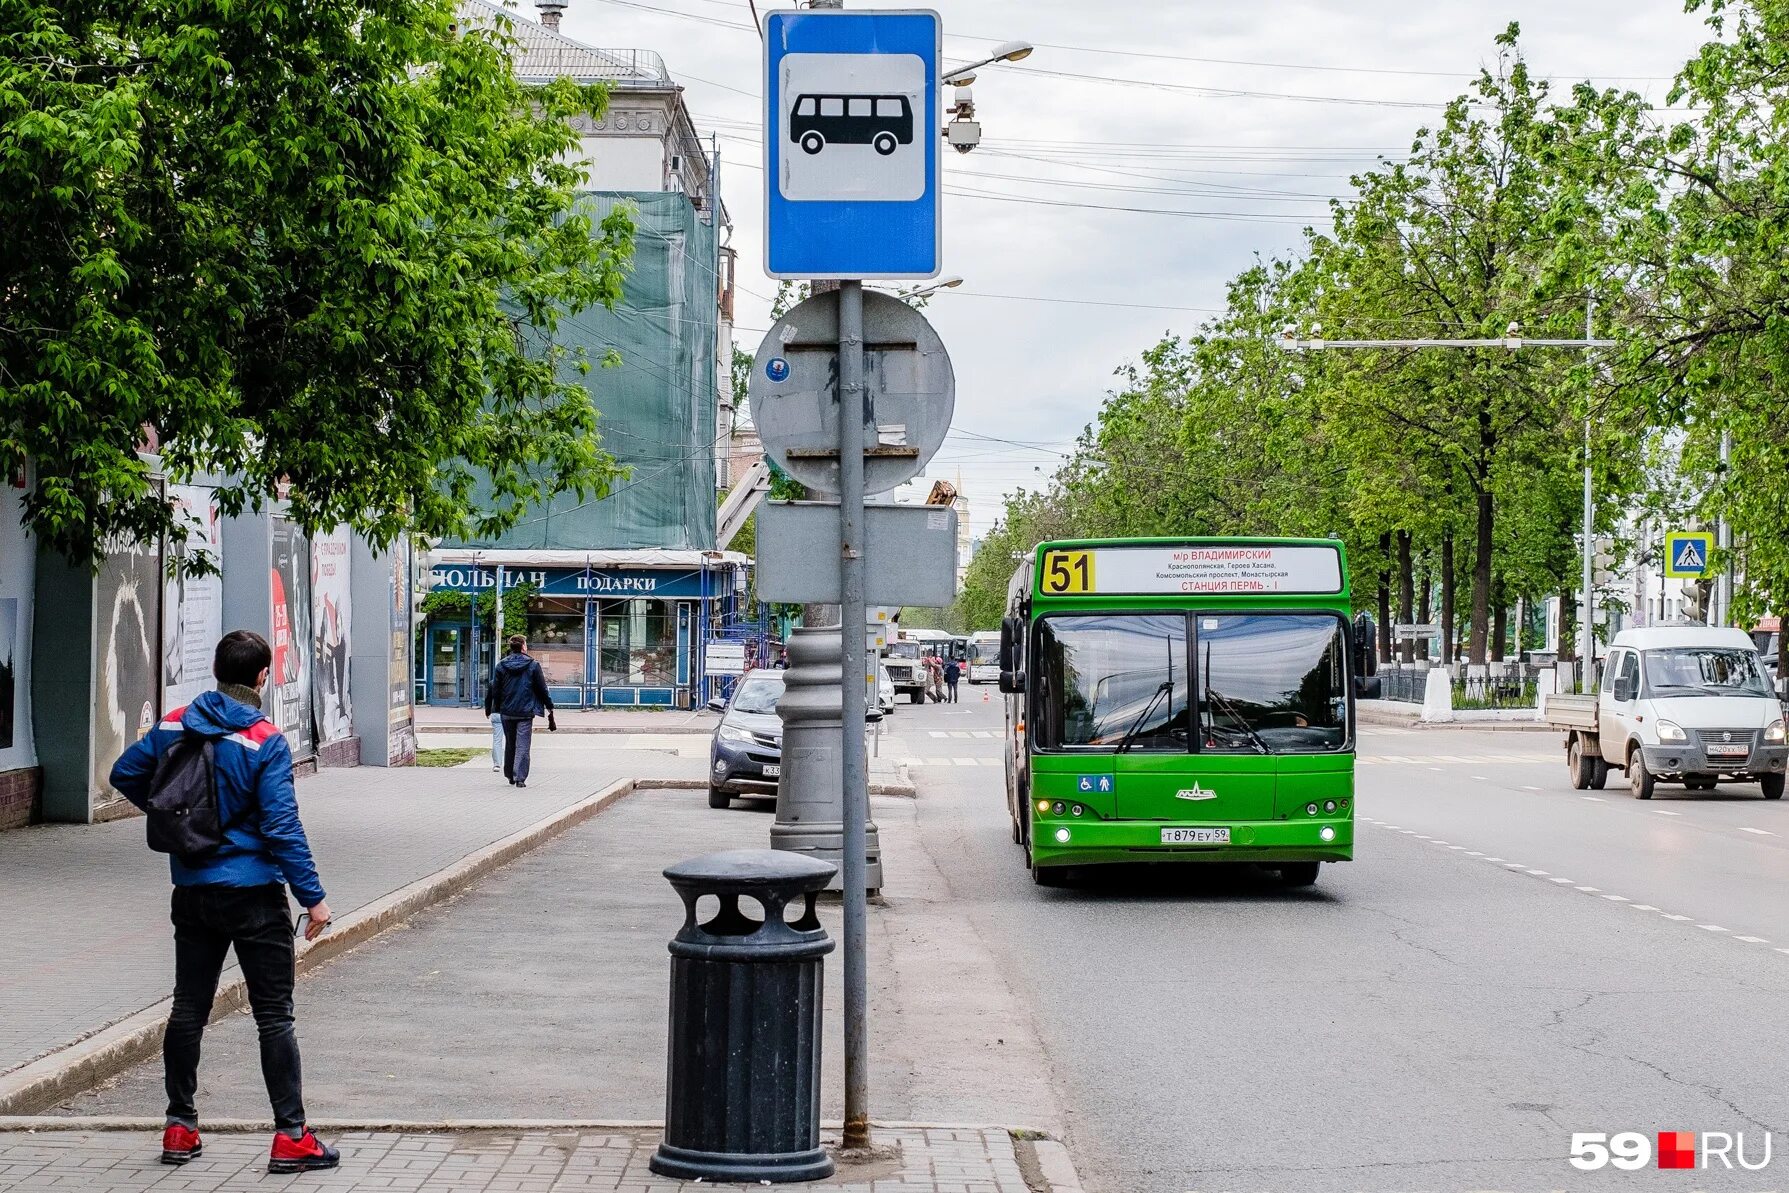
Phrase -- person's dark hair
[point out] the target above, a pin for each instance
(241, 657)
(517, 642)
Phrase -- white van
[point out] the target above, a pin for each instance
(1683, 704)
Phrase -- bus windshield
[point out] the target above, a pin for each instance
(983, 652)
(1266, 683)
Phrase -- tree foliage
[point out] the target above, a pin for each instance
(319, 249)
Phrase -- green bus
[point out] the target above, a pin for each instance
(1176, 700)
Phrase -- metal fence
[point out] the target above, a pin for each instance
(1517, 689)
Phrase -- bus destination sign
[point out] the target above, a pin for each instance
(1217, 569)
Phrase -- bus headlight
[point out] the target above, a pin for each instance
(1062, 836)
(1058, 807)
(1329, 805)
(1310, 809)
(1326, 834)
(1077, 809)
(1043, 806)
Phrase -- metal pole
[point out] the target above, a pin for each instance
(851, 635)
(1586, 601)
(1723, 587)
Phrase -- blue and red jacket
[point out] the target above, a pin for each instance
(253, 763)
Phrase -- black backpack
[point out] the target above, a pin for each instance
(183, 810)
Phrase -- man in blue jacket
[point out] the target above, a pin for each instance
(236, 898)
(518, 693)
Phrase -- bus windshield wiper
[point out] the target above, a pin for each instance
(1130, 735)
(1211, 694)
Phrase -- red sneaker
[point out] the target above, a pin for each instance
(180, 1144)
(301, 1155)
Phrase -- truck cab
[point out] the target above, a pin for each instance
(1680, 704)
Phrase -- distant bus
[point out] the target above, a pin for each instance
(945, 645)
(879, 121)
(984, 656)
(1180, 700)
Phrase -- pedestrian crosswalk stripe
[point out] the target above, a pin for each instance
(938, 733)
(984, 733)
(961, 733)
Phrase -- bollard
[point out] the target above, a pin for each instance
(742, 1094)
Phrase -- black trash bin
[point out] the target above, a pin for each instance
(742, 1097)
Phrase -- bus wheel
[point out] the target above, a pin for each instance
(1299, 873)
(812, 143)
(885, 143)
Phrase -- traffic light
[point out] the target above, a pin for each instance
(422, 580)
(1602, 563)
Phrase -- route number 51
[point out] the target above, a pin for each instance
(1068, 572)
(1627, 1150)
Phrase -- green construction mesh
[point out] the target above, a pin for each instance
(658, 404)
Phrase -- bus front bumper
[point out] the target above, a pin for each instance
(1099, 842)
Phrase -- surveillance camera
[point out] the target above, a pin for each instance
(963, 135)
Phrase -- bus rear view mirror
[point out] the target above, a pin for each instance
(1012, 682)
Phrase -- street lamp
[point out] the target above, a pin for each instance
(949, 283)
(1011, 51)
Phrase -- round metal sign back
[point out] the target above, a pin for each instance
(910, 392)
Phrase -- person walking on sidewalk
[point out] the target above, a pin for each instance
(230, 893)
(518, 694)
(953, 671)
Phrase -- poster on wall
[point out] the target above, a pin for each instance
(126, 649)
(290, 583)
(329, 627)
(9, 637)
(193, 606)
(400, 726)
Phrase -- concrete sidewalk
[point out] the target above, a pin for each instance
(86, 941)
(549, 1160)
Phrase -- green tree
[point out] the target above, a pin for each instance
(320, 249)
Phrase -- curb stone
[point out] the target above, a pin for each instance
(1056, 1166)
(74, 1068)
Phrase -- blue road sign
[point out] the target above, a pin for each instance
(1686, 554)
(851, 140)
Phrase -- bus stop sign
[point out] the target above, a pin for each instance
(851, 120)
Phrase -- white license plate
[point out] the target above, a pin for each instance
(773, 772)
(1195, 836)
(1728, 749)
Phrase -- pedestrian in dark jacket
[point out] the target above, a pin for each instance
(236, 898)
(518, 693)
(953, 671)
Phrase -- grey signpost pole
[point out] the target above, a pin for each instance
(851, 638)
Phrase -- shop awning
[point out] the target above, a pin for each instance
(644, 557)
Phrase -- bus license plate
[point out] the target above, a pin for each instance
(1195, 836)
(773, 772)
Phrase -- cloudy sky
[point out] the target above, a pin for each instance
(1143, 155)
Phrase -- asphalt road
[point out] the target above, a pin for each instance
(1442, 1013)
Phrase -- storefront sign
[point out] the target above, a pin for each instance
(595, 582)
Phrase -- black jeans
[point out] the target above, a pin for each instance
(208, 921)
(952, 685)
(518, 749)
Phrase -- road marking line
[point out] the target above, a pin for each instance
(1642, 907)
(1456, 847)
(1493, 859)
(1435, 768)
(1563, 881)
(1616, 898)
(993, 762)
(961, 733)
(1595, 799)
(1711, 928)
(1589, 890)
(964, 761)
(937, 733)
(1662, 812)
(1679, 918)
(1526, 787)
(984, 733)
(1538, 873)
(1752, 939)
(913, 762)
(1473, 853)
(937, 762)
(1394, 828)
(1783, 950)
(1762, 832)
(1436, 841)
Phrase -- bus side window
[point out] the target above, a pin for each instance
(832, 106)
(891, 109)
(804, 106)
(860, 107)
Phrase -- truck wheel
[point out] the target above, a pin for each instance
(1579, 767)
(1639, 779)
(1772, 785)
(1599, 774)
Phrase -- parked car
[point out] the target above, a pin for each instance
(885, 690)
(745, 756)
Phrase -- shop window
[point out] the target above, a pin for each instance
(556, 638)
(639, 643)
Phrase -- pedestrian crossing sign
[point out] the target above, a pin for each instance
(1686, 554)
